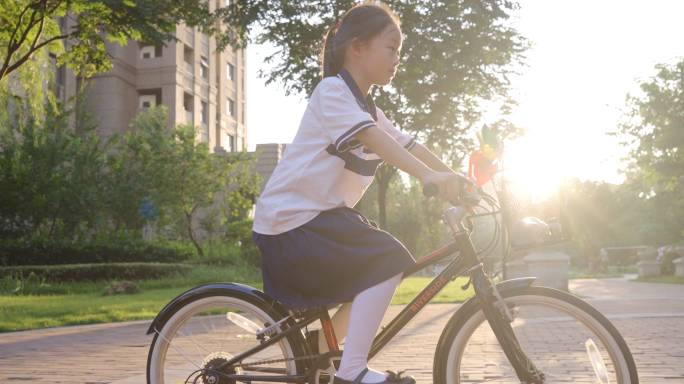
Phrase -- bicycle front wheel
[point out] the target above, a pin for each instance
(567, 339)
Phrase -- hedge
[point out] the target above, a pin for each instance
(46, 251)
(97, 272)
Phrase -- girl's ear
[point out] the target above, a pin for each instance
(355, 47)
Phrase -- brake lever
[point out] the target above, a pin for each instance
(487, 197)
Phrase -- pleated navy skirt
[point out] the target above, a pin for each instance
(329, 260)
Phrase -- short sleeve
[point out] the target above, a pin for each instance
(342, 116)
(402, 138)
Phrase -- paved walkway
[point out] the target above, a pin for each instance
(649, 316)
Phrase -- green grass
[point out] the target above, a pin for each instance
(412, 286)
(660, 279)
(83, 303)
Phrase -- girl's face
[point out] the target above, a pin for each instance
(380, 55)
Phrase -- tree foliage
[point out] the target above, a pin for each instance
(27, 26)
(76, 32)
(61, 183)
(652, 127)
(50, 176)
(176, 177)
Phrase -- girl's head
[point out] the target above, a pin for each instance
(368, 37)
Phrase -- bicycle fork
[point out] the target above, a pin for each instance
(524, 367)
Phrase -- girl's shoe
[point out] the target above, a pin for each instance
(392, 378)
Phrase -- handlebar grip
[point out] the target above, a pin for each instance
(430, 190)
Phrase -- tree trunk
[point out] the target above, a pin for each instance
(193, 236)
(384, 176)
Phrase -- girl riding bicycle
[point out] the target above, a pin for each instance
(316, 250)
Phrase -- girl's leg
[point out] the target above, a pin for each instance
(367, 311)
(340, 323)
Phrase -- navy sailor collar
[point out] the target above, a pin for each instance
(367, 103)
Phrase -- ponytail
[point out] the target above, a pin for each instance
(362, 22)
(330, 66)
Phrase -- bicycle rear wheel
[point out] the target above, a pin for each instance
(567, 339)
(206, 332)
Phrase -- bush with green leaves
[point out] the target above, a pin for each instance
(119, 247)
(65, 197)
(94, 272)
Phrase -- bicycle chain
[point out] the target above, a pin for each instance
(264, 362)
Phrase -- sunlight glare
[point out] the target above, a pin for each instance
(539, 159)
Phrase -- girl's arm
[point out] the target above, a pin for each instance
(428, 158)
(388, 149)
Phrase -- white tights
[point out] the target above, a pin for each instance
(359, 321)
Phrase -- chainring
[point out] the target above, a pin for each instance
(211, 363)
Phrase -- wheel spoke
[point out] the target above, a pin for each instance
(566, 341)
(174, 347)
(212, 339)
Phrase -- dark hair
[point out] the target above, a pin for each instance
(362, 22)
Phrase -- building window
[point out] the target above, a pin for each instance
(147, 52)
(230, 107)
(188, 102)
(204, 68)
(242, 114)
(204, 111)
(229, 143)
(150, 51)
(188, 57)
(147, 101)
(230, 70)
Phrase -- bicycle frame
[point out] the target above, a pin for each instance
(466, 260)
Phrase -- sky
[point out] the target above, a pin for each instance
(585, 57)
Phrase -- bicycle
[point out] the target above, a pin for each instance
(510, 331)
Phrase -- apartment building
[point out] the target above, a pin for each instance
(198, 85)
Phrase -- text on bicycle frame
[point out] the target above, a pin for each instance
(428, 293)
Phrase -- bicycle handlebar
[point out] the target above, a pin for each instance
(465, 197)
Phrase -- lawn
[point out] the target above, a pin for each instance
(661, 279)
(83, 303)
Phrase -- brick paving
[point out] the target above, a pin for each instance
(649, 316)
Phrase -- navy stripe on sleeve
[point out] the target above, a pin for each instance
(354, 163)
(341, 141)
(410, 144)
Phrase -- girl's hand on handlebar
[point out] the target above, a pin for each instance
(447, 182)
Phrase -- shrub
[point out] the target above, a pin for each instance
(239, 233)
(117, 248)
(94, 272)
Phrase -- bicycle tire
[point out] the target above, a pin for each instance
(292, 346)
(469, 324)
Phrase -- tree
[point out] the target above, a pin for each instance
(28, 26)
(178, 175)
(652, 126)
(34, 34)
(50, 176)
(456, 55)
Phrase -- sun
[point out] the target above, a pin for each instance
(538, 161)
